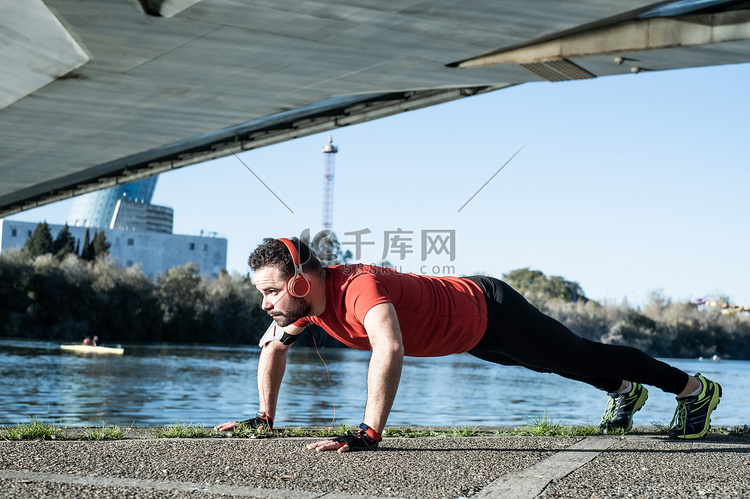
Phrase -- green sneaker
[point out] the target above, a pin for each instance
(692, 419)
(620, 408)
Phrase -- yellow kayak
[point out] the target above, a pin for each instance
(92, 349)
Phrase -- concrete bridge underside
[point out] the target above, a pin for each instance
(95, 93)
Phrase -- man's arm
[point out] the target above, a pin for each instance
(386, 361)
(271, 367)
(384, 373)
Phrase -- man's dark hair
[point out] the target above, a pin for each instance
(274, 253)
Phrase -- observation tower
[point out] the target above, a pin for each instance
(329, 152)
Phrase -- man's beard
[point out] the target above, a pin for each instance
(298, 308)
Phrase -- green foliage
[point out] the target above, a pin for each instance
(739, 431)
(292, 431)
(181, 293)
(662, 329)
(232, 308)
(68, 299)
(543, 425)
(538, 287)
(64, 243)
(40, 242)
(106, 432)
(463, 431)
(411, 432)
(100, 245)
(35, 429)
(87, 252)
(182, 430)
(332, 431)
(15, 277)
(246, 431)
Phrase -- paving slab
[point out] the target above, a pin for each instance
(641, 465)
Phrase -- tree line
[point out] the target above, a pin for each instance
(662, 328)
(50, 291)
(68, 298)
(41, 243)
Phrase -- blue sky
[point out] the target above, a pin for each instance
(628, 185)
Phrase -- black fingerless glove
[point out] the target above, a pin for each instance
(363, 439)
(260, 419)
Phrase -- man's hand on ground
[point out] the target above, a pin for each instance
(328, 445)
(231, 425)
(260, 420)
(363, 439)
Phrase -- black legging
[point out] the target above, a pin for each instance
(520, 335)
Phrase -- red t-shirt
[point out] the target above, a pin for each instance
(437, 315)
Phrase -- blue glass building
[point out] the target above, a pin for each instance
(96, 209)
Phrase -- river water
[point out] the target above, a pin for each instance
(159, 385)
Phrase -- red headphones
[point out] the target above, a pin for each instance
(299, 285)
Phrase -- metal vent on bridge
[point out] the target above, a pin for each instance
(558, 70)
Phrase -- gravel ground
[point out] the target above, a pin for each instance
(640, 465)
(42, 490)
(423, 467)
(656, 467)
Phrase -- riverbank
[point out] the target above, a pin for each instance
(641, 464)
(62, 298)
(162, 385)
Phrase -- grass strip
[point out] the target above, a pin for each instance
(35, 429)
(38, 429)
(106, 432)
(183, 429)
(540, 426)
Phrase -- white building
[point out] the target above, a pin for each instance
(153, 251)
(130, 215)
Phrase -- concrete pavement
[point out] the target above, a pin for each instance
(642, 464)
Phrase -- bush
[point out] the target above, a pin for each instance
(68, 299)
(65, 297)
